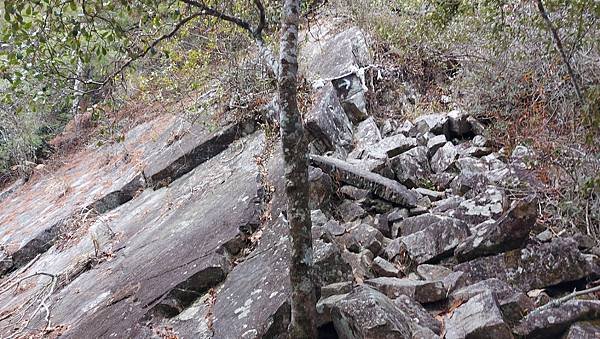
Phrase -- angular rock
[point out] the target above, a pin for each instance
(513, 304)
(435, 241)
(329, 266)
(350, 210)
(380, 186)
(435, 143)
(489, 204)
(327, 122)
(419, 290)
(478, 318)
(318, 218)
(434, 123)
(338, 288)
(443, 158)
(360, 262)
(532, 267)
(412, 167)
(554, 321)
(583, 330)
(354, 193)
(431, 194)
(384, 268)
(320, 189)
(367, 133)
(366, 313)
(508, 233)
(368, 237)
(418, 314)
(412, 225)
(391, 146)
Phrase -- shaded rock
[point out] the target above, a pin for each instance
(415, 224)
(351, 91)
(384, 268)
(334, 227)
(380, 186)
(480, 317)
(376, 206)
(412, 167)
(443, 158)
(554, 321)
(418, 314)
(433, 272)
(508, 233)
(458, 124)
(419, 290)
(583, 330)
(434, 123)
(405, 128)
(366, 313)
(391, 146)
(329, 266)
(435, 143)
(325, 306)
(442, 181)
(350, 210)
(320, 189)
(327, 122)
(342, 287)
(435, 241)
(431, 194)
(360, 262)
(353, 192)
(476, 127)
(513, 304)
(380, 222)
(532, 267)
(397, 215)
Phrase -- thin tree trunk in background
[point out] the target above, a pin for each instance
(303, 323)
(559, 47)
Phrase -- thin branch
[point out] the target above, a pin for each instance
(220, 15)
(559, 47)
(557, 302)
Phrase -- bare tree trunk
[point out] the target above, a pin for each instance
(303, 323)
(559, 47)
(77, 89)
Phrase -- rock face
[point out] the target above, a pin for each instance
(509, 232)
(532, 267)
(180, 230)
(480, 317)
(366, 313)
(554, 321)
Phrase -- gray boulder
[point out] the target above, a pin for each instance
(418, 314)
(583, 330)
(508, 233)
(554, 321)
(536, 266)
(443, 158)
(478, 318)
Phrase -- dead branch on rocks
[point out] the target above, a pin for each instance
(575, 294)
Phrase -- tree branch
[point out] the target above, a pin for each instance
(560, 49)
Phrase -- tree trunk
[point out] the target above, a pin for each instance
(303, 323)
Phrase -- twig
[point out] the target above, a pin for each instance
(560, 49)
(557, 302)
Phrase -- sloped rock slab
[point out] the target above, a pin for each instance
(170, 246)
(508, 233)
(478, 318)
(554, 321)
(366, 313)
(532, 267)
(383, 187)
(328, 123)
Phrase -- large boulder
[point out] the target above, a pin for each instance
(327, 122)
(508, 233)
(554, 321)
(536, 266)
(478, 318)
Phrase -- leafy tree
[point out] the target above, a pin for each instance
(55, 41)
